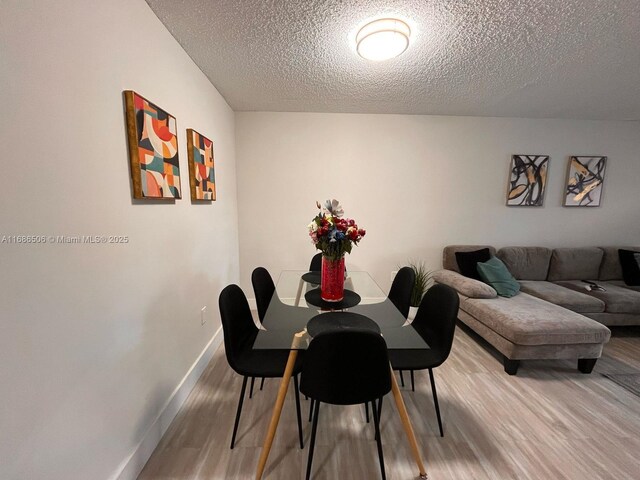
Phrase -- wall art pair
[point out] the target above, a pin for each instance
(153, 154)
(528, 181)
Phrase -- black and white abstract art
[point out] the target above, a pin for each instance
(527, 180)
(584, 181)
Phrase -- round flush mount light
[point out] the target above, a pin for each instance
(383, 39)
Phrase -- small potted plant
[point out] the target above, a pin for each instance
(421, 285)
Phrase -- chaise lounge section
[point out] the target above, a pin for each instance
(554, 316)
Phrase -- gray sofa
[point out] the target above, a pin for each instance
(554, 316)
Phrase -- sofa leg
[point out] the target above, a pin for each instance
(585, 365)
(511, 366)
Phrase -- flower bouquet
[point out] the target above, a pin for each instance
(334, 236)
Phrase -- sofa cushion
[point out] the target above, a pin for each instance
(620, 283)
(527, 320)
(467, 262)
(565, 297)
(575, 263)
(617, 299)
(630, 263)
(495, 273)
(611, 268)
(449, 254)
(526, 263)
(464, 285)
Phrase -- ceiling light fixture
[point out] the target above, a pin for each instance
(383, 39)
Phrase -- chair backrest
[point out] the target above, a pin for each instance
(237, 323)
(346, 367)
(436, 319)
(263, 288)
(316, 263)
(401, 288)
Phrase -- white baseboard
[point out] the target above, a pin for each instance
(131, 467)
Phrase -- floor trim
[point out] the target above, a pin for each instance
(131, 467)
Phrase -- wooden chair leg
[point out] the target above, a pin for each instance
(238, 412)
(435, 401)
(413, 386)
(376, 421)
(261, 383)
(253, 380)
(298, 414)
(314, 428)
(401, 378)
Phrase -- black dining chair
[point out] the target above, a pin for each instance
(240, 333)
(263, 288)
(346, 367)
(316, 263)
(401, 288)
(436, 324)
(400, 295)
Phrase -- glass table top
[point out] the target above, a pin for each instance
(288, 313)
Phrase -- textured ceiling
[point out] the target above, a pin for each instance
(523, 58)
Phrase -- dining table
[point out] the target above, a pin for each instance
(297, 304)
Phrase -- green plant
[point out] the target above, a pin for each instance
(422, 283)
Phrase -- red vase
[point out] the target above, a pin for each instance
(332, 280)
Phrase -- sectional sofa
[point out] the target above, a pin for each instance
(554, 316)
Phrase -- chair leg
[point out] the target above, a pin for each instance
(401, 378)
(261, 383)
(413, 386)
(314, 428)
(379, 410)
(253, 380)
(311, 409)
(366, 411)
(298, 414)
(435, 400)
(238, 412)
(376, 421)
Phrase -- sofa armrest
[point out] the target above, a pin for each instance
(464, 285)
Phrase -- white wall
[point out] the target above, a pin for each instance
(418, 183)
(94, 338)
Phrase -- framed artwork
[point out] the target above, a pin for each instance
(527, 180)
(201, 168)
(585, 177)
(153, 149)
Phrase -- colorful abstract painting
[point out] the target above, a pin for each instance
(527, 180)
(153, 149)
(584, 181)
(201, 169)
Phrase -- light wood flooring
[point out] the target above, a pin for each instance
(549, 422)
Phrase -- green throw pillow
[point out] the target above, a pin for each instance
(496, 274)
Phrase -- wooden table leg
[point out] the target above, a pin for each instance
(277, 409)
(406, 423)
(299, 293)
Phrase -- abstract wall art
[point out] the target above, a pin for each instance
(584, 181)
(527, 180)
(201, 168)
(153, 149)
